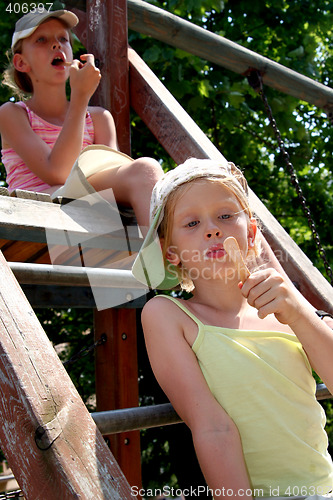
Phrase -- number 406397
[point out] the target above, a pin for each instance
(25, 8)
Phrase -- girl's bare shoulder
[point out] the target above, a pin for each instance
(163, 309)
(9, 108)
(158, 305)
(161, 313)
(13, 121)
(98, 111)
(105, 130)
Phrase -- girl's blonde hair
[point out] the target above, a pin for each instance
(238, 186)
(20, 83)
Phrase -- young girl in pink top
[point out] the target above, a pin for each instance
(43, 136)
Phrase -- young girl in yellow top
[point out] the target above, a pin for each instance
(235, 359)
(43, 136)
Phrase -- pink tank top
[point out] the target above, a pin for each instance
(19, 176)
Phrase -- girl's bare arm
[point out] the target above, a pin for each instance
(54, 165)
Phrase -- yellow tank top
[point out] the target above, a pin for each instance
(264, 381)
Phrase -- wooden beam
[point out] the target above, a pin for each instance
(47, 434)
(35, 221)
(167, 120)
(116, 367)
(162, 25)
(181, 138)
(106, 23)
(107, 40)
(75, 235)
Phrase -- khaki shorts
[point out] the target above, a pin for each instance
(93, 159)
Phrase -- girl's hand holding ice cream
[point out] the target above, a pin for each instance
(84, 77)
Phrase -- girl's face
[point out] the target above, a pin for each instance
(204, 216)
(45, 52)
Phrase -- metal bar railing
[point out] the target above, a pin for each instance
(145, 417)
(45, 274)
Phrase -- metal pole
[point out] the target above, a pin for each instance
(130, 419)
(145, 417)
(45, 274)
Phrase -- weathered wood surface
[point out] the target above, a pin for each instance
(45, 233)
(106, 38)
(105, 32)
(117, 385)
(162, 25)
(47, 434)
(28, 220)
(182, 138)
(166, 119)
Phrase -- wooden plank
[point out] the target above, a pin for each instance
(297, 265)
(162, 25)
(47, 434)
(168, 121)
(28, 220)
(117, 381)
(24, 251)
(31, 195)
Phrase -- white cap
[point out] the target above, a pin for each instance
(27, 24)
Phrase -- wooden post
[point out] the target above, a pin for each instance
(117, 382)
(51, 442)
(103, 30)
(107, 40)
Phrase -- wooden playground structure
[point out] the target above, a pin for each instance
(54, 446)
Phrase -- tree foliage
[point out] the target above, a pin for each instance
(294, 33)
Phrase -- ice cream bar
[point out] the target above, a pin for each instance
(231, 247)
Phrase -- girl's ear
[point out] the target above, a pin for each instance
(20, 64)
(172, 256)
(252, 231)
